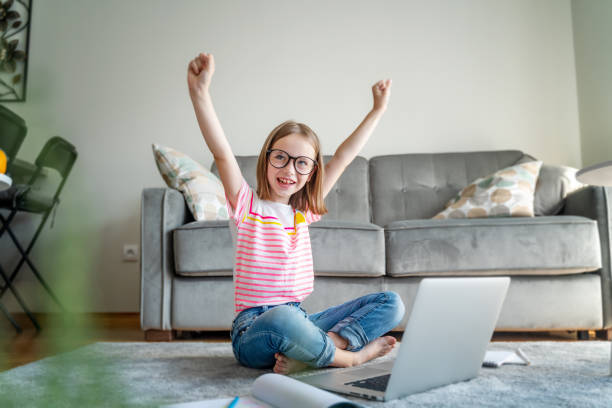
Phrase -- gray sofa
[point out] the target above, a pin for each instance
(379, 235)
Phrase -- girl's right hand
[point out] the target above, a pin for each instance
(199, 73)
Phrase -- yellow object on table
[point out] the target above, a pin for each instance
(2, 162)
(5, 181)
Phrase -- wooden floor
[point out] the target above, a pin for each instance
(65, 333)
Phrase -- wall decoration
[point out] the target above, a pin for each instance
(14, 44)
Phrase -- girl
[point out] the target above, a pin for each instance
(273, 269)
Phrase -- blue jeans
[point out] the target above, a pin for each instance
(260, 332)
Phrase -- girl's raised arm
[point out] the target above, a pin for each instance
(351, 147)
(199, 75)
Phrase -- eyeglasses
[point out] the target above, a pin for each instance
(302, 164)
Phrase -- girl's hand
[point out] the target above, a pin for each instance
(199, 73)
(381, 91)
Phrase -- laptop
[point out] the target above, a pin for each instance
(444, 341)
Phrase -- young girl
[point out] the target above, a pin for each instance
(273, 270)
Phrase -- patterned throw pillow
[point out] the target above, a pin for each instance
(508, 192)
(202, 190)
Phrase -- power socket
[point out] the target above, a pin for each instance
(130, 253)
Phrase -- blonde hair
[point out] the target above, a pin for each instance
(310, 197)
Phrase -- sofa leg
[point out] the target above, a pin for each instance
(583, 334)
(159, 335)
(605, 334)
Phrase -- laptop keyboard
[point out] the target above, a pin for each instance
(373, 383)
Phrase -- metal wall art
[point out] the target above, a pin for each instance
(14, 43)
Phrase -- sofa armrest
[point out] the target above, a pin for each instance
(595, 202)
(162, 210)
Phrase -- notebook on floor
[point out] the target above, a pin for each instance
(444, 341)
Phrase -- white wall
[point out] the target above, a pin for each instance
(593, 43)
(111, 77)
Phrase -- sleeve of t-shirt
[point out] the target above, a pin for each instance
(242, 203)
(311, 217)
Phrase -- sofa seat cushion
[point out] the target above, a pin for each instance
(203, 248)
(493, 246)
(347, 248)
(339, 248)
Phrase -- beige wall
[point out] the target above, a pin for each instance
(111, 77)
(593, 43)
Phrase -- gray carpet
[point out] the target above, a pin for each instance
(149, 374)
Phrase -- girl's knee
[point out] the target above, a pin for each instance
(281, 318)
(394, 298)
(397, 306)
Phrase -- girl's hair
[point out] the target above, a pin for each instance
(310, 197)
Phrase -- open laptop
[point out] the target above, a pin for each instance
(444, 342)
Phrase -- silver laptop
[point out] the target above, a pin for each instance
(444, 342)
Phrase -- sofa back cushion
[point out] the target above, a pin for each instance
(248, 166)
(347, 201)
(417, 186)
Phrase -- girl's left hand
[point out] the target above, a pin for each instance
(381, 91)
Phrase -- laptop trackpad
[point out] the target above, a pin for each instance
(365, 372)
(372, 370)
(346, 375)
(385, 366)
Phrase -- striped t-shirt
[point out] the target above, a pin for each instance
(273, 263)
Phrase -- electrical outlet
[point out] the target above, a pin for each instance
(130, 253)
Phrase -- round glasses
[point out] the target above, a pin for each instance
(302, 164)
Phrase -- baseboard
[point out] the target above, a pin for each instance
(131, 320)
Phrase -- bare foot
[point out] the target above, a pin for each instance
(374, 349)
(286, 365)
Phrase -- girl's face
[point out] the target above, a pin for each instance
(286, 181)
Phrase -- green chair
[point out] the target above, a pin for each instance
(38, 197)
(12, 133)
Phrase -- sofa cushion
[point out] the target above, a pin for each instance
(349, 198)
(532, 302)
(492, 246)
(202, 190)
(342, 248)
(417, 186)
(554, 184)
(203, 248)
(506, 193)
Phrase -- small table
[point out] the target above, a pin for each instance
(598, 175)
(5, 181)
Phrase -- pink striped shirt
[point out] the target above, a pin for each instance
(273, 262)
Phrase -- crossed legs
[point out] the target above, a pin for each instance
(354, 328)
(342, 358)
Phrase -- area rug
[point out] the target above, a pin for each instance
(152, 374)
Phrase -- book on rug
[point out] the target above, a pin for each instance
(497, 358)
(276, 391)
